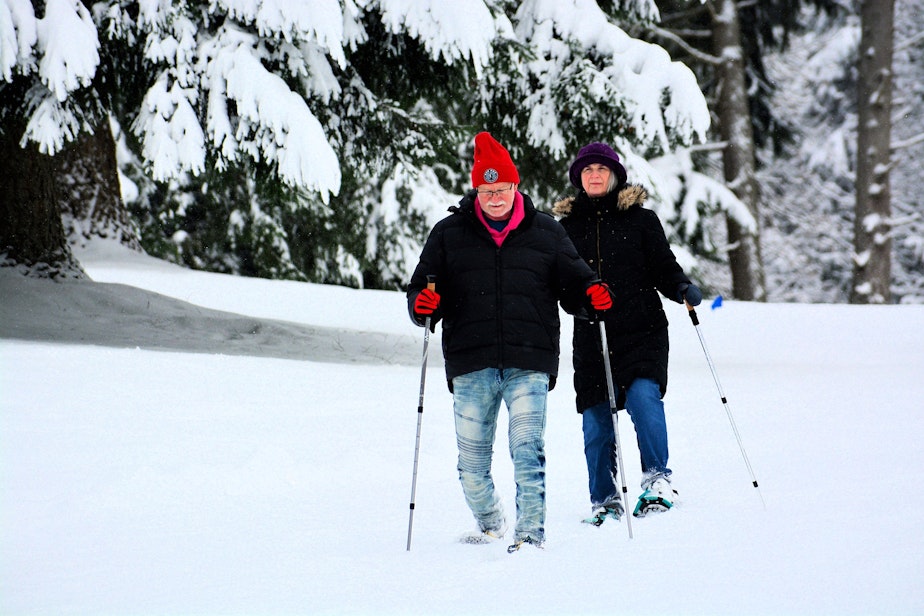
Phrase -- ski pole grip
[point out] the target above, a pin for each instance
(431, 282)
(692, 311)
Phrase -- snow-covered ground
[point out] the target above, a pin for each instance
(190, 443)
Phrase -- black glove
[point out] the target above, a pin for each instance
(689, 293)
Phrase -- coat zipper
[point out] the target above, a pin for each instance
(599, 253)
(500, 309)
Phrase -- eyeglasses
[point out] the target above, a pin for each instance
(494, 193)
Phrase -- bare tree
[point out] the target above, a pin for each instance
(716, 24)
(739, 157)
(872, 224)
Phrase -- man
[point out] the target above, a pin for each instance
(501, 267)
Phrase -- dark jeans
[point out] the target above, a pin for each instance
(643, 402)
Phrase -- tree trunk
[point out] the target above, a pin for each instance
(31, 233)
(734, 120)
(87, 175)
(872, 270)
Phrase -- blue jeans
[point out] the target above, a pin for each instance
(643, 401)
(476, 400)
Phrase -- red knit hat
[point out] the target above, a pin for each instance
(492, 162)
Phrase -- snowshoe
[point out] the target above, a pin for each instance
(485, 536)
(660, 496)
(600, 514)
(525, 540)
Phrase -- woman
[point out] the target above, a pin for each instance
(626, 246)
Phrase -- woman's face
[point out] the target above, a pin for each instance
(595, 178)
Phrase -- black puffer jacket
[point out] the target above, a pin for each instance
(626, 245)
(499, 306)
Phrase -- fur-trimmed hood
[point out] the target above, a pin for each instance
(629, 196)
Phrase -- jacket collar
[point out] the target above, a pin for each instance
(468, 204)
(630, 195)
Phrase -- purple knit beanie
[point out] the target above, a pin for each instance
(596, 153)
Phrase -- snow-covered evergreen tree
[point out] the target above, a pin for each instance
(418, 79)
(545, 78)
(321, 139)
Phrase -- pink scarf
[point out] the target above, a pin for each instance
(516, 218)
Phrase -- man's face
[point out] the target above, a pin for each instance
(496, 200)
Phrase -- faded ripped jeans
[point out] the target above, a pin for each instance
(476, 401)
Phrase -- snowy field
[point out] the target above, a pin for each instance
(176, 442)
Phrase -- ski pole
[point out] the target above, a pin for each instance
(731, 419)
(431, 284)
(621, 470)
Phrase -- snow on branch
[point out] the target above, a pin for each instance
(642, 73)
(63, 47)
(680, 42)
(18, 35)
(223, 81)
(172, 138)
(270, 122)
(302, 20)
(454, 30)
(675, 181)
(907, 143)
(50, 122)
(69, 47)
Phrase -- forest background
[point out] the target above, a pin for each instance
(320, 140)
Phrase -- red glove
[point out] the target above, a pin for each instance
(426, 302)
(600, 297)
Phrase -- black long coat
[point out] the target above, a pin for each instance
(499, 305)
(626, 245)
